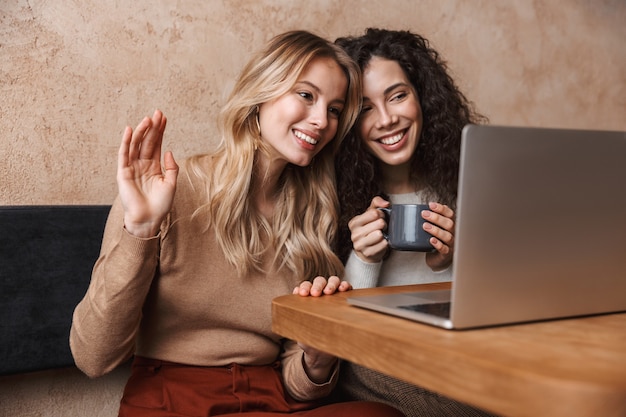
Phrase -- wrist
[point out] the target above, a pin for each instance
(141, 230)
(369, 259)
(319, 368)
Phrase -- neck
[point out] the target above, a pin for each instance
(396, 179)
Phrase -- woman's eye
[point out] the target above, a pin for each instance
(335, 111)
(306, 95)
(365, 109)
(399, 96)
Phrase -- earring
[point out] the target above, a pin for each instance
(256, 117)
(258, 126)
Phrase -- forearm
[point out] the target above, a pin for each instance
(106, 321)
(362, 274)
(303, 386)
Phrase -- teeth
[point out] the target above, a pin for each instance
(306, 138)
(392, 140)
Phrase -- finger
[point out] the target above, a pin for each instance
(345, 286)
(374, 239)
(163, 123)
(373, 253)
(439, 220)
(137, 139)
(171, 168)
(153, 137)
(378, 202)
(372, 231)
(441, 209)
(304, 289)
(161, 133)
(332, 285)
(334, 281)
(363, 219)
(441, 234)
(440, 246)
(370, 215)
(122, 155)
(319, 283)
(160, 121)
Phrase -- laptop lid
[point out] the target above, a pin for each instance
(541, 226)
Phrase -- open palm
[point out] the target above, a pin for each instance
(146, 187)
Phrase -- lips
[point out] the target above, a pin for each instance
(392, 140)
(303, 136)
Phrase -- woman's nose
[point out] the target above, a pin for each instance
(319, 117)
(385, 118)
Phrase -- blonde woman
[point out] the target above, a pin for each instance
(192, 256)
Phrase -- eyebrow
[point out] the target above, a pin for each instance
(390, 89)
(318, 91)
(310, 84)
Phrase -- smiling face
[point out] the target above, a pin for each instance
(297, 125)
(390, 123)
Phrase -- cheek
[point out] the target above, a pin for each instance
(266, 117)
(417, 112)
(279, 114)
(333, 127)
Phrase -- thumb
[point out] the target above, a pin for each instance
(378, 201)
(171, 168)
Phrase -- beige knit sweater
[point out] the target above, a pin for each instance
(174, 297)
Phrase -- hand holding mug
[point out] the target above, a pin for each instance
(367, 232)
(440, 225)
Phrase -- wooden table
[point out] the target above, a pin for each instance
(571, 367)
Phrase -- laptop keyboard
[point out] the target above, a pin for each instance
(436, 309)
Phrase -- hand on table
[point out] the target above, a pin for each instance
(321, 286)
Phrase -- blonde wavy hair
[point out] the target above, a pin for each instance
(303, 230)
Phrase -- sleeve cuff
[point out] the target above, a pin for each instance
(298, 383)
(362, 274)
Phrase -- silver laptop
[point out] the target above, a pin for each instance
(540, 233)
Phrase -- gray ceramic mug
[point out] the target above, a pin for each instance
(405, 228)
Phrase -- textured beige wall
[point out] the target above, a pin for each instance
(74, 73)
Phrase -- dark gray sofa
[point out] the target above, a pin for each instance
(46, 257)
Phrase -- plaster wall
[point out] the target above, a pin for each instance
(74, 73)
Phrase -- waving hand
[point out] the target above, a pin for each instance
(146, 187)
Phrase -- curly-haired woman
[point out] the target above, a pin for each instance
(404, 149)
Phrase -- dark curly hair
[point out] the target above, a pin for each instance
(445, 109)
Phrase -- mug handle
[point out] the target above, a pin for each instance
(387, 212)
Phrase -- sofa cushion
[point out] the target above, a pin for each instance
(46, 257)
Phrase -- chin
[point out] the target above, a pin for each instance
(394, 160)
(301, 162)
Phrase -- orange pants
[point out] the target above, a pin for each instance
(158, 389)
